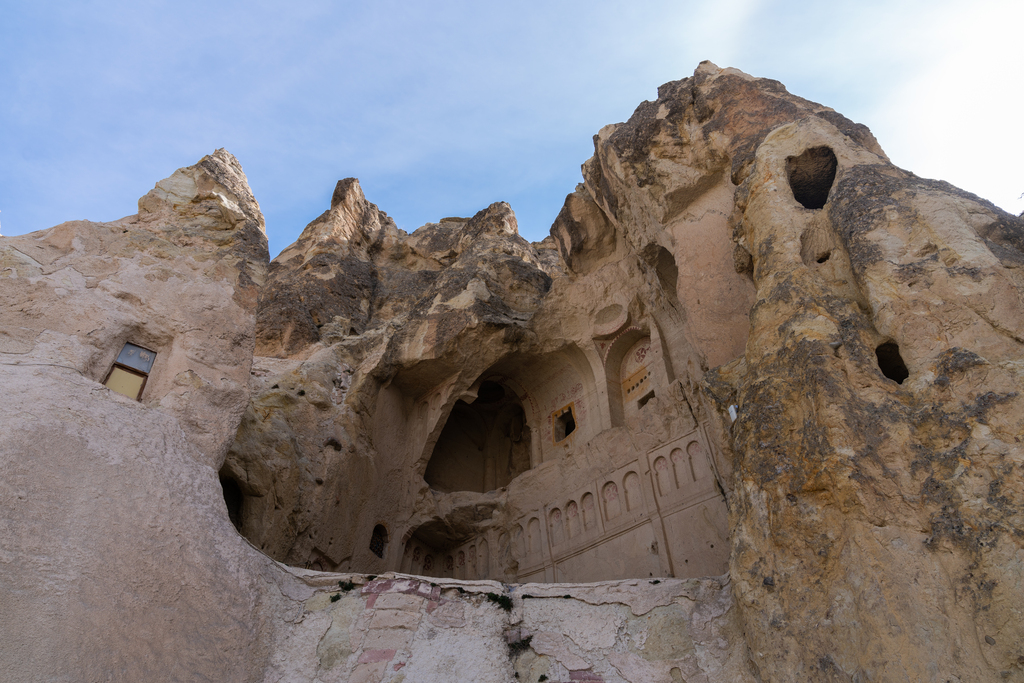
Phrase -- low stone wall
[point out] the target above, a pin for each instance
(397, 627)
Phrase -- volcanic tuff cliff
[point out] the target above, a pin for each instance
(759, 384)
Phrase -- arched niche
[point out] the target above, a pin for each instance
(484, 444)
(379, 540)
(588, 512)
(636, 386)
(572, 519)
(628, 364)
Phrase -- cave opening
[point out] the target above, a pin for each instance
(890, 362)
(811, 175)
(484, 445)
(233, 499)
(816, 245)
(379, 540)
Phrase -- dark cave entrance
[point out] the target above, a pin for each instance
(484, 444)
(379, 540)
(660, 259)
(233, 499)
(811, 176)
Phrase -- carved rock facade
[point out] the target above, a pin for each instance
(751, 348)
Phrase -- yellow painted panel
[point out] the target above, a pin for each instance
(124, 382)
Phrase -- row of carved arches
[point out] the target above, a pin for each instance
(580, 519)
(680, 469)
(471, 562)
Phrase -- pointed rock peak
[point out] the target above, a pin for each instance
(348, 192)
(351, 219)
(353, 226)
(225, 167)
(216, 181)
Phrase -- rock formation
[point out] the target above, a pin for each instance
(877, 525)
(116, 558)
(759, 384)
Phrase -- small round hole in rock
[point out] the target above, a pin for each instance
(890, 362)
(824, 257)
(811, 175)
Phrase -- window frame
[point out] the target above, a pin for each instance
(130, 370)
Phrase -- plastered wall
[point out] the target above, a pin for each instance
(395, 628)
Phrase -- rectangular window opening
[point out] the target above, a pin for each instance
(130, 371)
(563, 423)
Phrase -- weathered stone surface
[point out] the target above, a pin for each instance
(492, 313)
(665, 179)
(117, 561)
(180, 278)
(876, 523)
(387, 629)
(340, 279)
(304, 454)
(739, 227)
(118, 557)
(648, 274)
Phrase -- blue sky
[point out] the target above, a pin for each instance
(442, 108)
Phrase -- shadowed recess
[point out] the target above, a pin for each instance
(483, 446)
(233, 499)
(379, 540)
(811, 176)
(890, 362)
